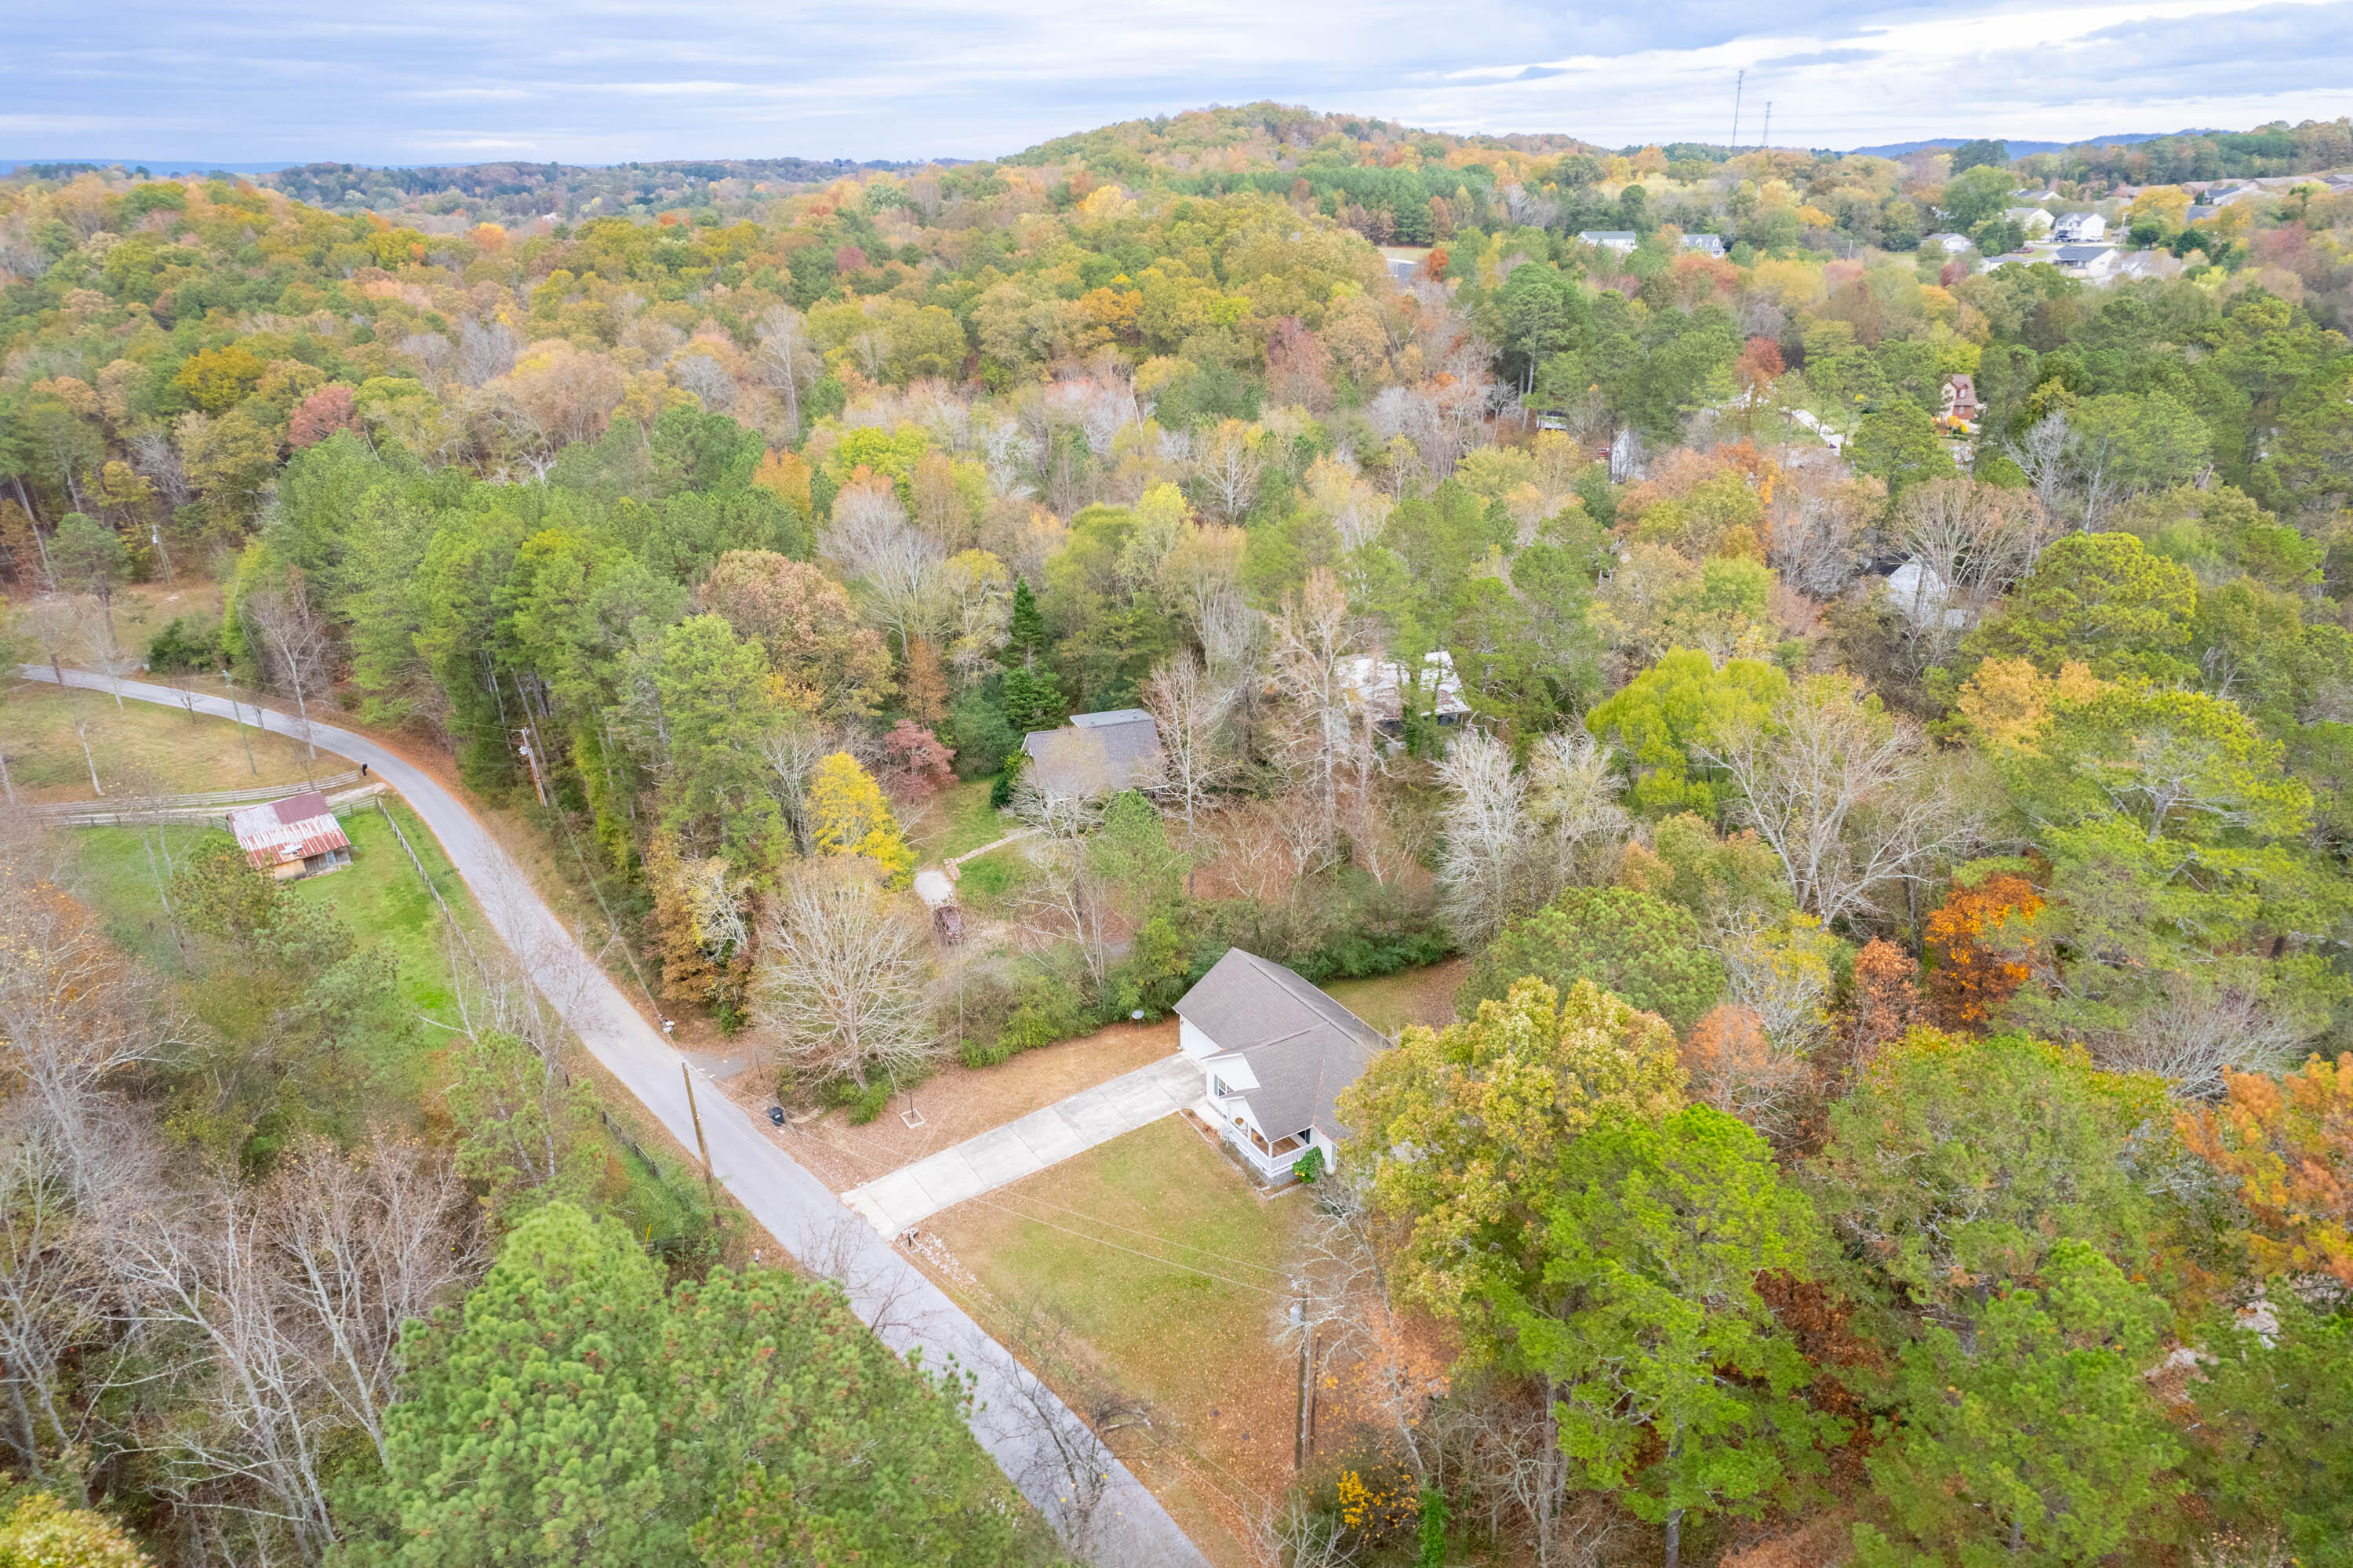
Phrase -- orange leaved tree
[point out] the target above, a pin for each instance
(1976, 960)
(2287, 1143)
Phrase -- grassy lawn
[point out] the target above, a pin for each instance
(379, 895)
(139, 747)
(1390, 1002)
(988, 882)
(1185, 1329)
(958, 818)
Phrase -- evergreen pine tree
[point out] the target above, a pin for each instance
(1025, 634)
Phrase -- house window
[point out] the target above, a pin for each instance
(1218, 1086)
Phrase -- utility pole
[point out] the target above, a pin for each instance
(709, 1182)
(530, 755)
(1738, 82)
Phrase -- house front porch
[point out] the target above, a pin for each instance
(1271, 1160)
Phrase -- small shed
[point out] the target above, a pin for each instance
(292, 838)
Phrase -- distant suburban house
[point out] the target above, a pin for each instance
(1408, 264)
(297, 836)
(1951, 244)
(1618, 239)
(2200, 212)
(1096, 754)
(2030, 197)
(2088, 261)
(1378, 687)
(1919, 594)
(2079, 228)
(2032, 219)
(1706, 244)
(2226, 198)
(1274, 1054)
(1961, 399)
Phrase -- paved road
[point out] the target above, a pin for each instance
(1128, 1526)
(1025, 1147)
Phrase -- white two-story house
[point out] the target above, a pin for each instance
(1275, 1052)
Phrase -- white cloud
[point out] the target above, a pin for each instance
(604, 80)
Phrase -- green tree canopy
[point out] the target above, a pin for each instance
(2033, 1440)
(1673, 1384)
(2102, 600)
(1637, 947)
(574, 1412)
(1956, 1165)
(1681, 701)
(1465, 1128)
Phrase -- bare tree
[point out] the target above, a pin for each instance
(75, 1015)
(486, 350)
(899, 570)
(843, 978)
(1850, 797)
(2195, 1034)
(1228, 466)
(786, 356)
(295, 645)
(1189, 710)
(1346, 1317)
(1971, 541)
(1578, 826)
(59, 1354)
(362, 1244)
(1483, 831)
(1318, 640)
(792, 750)
(1066, 1461)
(2046, 455)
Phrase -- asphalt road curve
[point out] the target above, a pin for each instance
(1015, 1418)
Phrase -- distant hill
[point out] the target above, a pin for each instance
(162, 168)
(2018, 149)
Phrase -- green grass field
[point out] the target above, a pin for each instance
(1161, 1190)
(959, 818)
(379, 895)
(139, 748)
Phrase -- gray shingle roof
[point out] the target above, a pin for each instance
(1301, 1046)
(1096, 754)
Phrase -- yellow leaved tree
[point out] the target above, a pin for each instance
(847, 815)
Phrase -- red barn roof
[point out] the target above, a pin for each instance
(293, 829)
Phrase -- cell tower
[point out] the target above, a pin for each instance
(1767, 140)
(1737, 83)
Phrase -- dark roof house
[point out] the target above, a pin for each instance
(1096, 754)
(1275, 1052)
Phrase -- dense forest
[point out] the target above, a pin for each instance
(1901, 1108)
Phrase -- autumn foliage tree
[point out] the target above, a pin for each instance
(2286, 1145)
(1979, 948)
(849, 816)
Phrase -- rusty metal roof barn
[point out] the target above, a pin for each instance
(289, 835)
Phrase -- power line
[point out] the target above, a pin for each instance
(1131, 1252)
(1151, 1235)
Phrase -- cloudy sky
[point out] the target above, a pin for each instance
(603, 80)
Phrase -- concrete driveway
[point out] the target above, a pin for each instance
(1021, 1423)
(1027, 1146)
